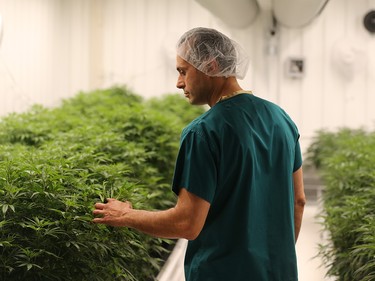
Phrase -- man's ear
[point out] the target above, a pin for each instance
(212, 67)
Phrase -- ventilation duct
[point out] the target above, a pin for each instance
(241, 13)
(297, 13)
(234, 13)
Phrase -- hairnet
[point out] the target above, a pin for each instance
(201, 47)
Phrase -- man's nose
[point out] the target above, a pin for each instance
(180, 83)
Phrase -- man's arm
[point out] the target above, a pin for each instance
(299, 200)
(185, 220)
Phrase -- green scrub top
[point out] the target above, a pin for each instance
(240, 156)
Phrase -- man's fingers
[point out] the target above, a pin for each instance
(97, 220)
(98, 212)
(99, 206)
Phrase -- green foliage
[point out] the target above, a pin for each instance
(346, 160)
(56, 163)
(181, 112)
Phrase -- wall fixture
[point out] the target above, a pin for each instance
(369, 21)
(295, 67)
(349, 57)
(272, 38)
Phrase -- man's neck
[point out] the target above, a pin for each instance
(225, 87)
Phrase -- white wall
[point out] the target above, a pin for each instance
(43, 52)
(51, 49)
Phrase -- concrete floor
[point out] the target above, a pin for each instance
(309, 266)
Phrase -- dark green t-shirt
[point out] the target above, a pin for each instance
(240, 156)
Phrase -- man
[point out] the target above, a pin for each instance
(238, 174)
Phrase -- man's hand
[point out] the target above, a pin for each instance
(185, 220)
(111, 213)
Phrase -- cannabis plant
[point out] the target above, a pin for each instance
(55, 164)
(346, 159)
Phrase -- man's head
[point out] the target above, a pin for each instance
(212, 53)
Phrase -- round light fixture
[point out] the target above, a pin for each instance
(369, 21)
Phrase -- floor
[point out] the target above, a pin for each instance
(310, 266)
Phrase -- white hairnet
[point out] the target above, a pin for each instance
(202, 46)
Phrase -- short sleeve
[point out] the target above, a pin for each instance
(297, 157)
(195, 168)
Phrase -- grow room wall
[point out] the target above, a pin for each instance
(51, 49)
